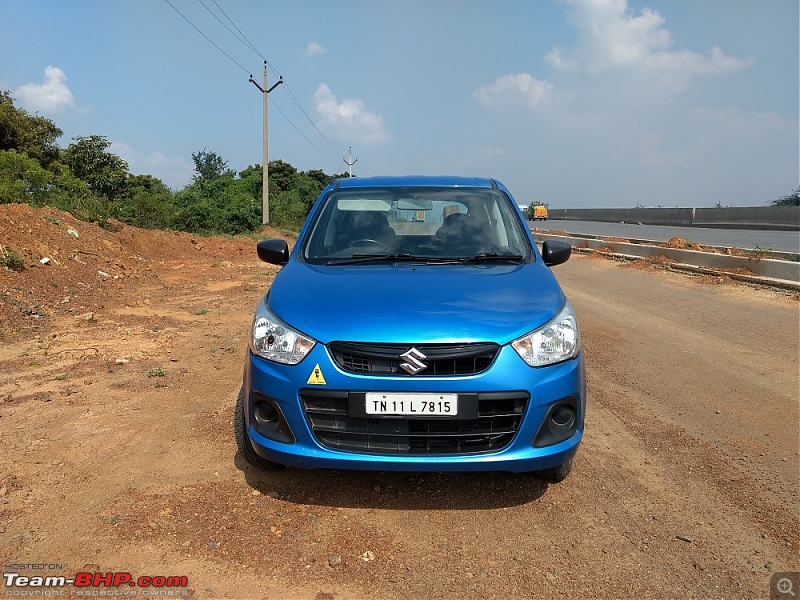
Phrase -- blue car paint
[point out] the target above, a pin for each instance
(378, 303)
(411, 304)
(551, 384)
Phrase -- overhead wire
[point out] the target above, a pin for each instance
(248, 44)
(205, 36)
(243, 38)
(275, 104)
(310, 120)
(334, 174)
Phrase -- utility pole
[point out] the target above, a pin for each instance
(265, 147)
(349, 162)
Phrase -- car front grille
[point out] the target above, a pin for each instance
(491, 422)
(441, 359)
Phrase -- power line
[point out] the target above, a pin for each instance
(310, 120)
(242, 39)
(249, 44)
(205, 36)
(246, 42)
(333, 173)
(277, 106)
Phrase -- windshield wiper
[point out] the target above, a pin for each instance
(395, 257)
(488, 256)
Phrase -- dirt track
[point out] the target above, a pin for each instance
(118, 455)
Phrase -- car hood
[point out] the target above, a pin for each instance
(409, 303)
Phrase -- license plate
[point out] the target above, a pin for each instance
(418, 405)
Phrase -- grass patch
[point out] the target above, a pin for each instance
(11, 260)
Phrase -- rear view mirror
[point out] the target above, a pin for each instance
(555, 252)
(413, 204)
(273, 251)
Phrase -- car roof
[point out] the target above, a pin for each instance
(415, 181)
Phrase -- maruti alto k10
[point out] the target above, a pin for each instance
(414, 326)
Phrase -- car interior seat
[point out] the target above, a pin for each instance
(461, 235)
(368, 225)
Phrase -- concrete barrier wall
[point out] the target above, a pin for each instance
(786, 271)
(747, 217)
(765, 217)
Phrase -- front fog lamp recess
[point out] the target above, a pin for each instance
(563, 416)
(560, 424)
(264, 413)
(269, 421)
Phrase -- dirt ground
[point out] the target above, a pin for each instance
(120, 363)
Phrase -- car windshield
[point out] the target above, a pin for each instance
(435, 225)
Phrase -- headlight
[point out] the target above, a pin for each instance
(275, 340)
(555, 342)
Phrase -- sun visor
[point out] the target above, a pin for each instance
(362, 204)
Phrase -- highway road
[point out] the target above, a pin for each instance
(781, 241)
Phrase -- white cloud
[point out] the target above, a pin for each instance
(314, 48)
(51, 96)
(507, 91)
(348, 119)
(611, 40)
(175, 172)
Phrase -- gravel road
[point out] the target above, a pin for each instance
(118, 454)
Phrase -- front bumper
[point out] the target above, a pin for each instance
(301, 401)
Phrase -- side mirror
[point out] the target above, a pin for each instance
(555, 252)
(273, 251)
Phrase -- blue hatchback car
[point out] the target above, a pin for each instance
(414, 326)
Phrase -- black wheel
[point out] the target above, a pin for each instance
(243, 441)
(556, 474)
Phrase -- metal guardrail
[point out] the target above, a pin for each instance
(769, 271)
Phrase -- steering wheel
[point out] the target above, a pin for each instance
(370, 242)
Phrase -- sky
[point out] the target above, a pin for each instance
(578, 103)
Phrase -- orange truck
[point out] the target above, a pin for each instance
(537, 210)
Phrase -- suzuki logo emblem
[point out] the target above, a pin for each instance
(413, 364)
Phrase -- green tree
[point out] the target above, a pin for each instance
(792, 199)
(250, 171)
(89, 159)
(240, 210)
(252, 180)
(192, 210)
(287, 209)
(22, 178)
(308, 189)
(209, 166)
(282, 176)
(35, 136)
(320, 177)
(147, 203)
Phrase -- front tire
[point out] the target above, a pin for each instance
(556, 474)
(243, 440)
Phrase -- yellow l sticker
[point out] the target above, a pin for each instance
(316, 377)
